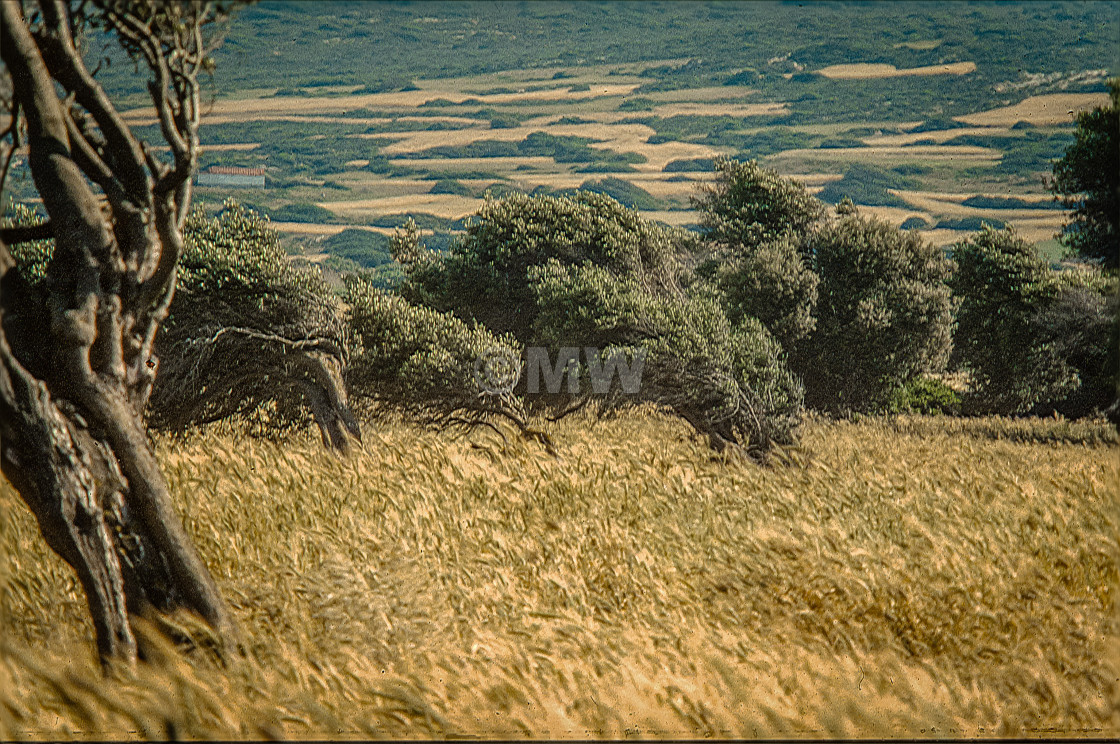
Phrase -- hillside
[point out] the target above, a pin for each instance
(375, 111)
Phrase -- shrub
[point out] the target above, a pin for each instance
(485, 279)
(249, 333)
(729, 383)
(1082, 326)
(450, 186)
(747, 205)
(584, 271)
(773, 284)
(914, 223)
(883, 314)
(624, 192)
(924, 395)
(1002, 285)
(421, 362)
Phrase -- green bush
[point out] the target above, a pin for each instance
(486, 276)
(883, 314)
(249, 332)
(585, 271)
(624, 192)
(1002, 285)
(924, 395)
(729, 383)
(421, 362)
(754, 223)
(1082, 326)
(747, 205)
(774, 284)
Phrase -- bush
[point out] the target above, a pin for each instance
(747, 205)
(486, 277)
(1002, 285)
(970, 223)
(624, 192)
(367, 249)
(249, 333)
(729, 383)
(1082, 326)
(584, 271)
(450, 186)
(914, 223)
(865, 184)
(754, 223)
(883, 314)
(773, 284)
(421, 362)
(925, 395)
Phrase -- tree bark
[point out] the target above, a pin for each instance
(76, 350)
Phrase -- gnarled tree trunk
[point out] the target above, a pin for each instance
(76, 349)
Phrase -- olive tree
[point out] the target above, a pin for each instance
(1087, 180)
(584, 271)
(250, 332)
(883, 314)
(754, 223)
(1032, 338)
(77, 356)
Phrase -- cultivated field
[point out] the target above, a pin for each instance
(897, 577)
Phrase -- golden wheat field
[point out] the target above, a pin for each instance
(888, 577)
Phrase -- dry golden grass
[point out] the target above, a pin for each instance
(913, 153)
(1053, 108)
(441, 205)
(939, 136)
(872, 71)
(909, 577)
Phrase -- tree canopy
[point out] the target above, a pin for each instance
(1087, 180)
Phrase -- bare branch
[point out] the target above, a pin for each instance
(67, 67)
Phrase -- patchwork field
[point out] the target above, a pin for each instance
(907, 577)
(876, 71)
(475, 130)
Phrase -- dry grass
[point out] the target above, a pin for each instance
(873, 71)
(907, 577)
(1053, 108)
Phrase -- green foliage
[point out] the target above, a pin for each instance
(367, 249)
(303, 212)
(624, 192)
(868, 185)
(1082, 327)
(1002, 284)
(1087, 179)
(691, 165)
(969, 223)
(561, 148)
(420, 361)
(773, 283)
(583, 270)
(915, 223)
(1008, 202)
(730, 383)
(33, 256)
(747, 205)
(451, 186)
(237, 295)
(754, 222)
(486, 277)
(883, 314)
(925, 395)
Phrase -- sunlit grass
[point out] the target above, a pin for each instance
(894, 577)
